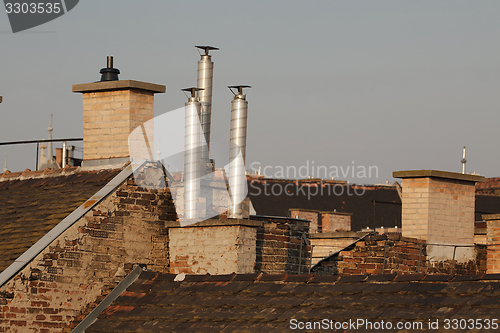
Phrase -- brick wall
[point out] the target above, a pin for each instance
(492, 242)
(402, 256)
(431, 206)
(323, 221)
(308, 214)
(335, 221)
(70, 277)
(282, 246)
(108, 119)
(214, 246)
(111, 111)
(438, 207)
(325, 244)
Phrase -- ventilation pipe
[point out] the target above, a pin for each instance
(205, 82)
(238, 145)
(109, 73)
(192, 143)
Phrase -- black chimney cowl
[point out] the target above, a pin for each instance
(109, 73)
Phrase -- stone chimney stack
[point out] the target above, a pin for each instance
(439, 207)
(112, 109)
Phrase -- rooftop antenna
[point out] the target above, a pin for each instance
(463, 162)
(50, 156)
(5, 164)
(48, 161)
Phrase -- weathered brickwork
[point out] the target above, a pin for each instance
(283, 246)
(335, 221)
(323, 221)
(393, 253)
(325, 244)
(108, 119)
(308, 214)
(493, 242)
(214, 246)
(70, 277)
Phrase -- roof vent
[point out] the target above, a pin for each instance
(109, 73)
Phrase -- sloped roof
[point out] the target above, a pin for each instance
(267, 303)
(32, 203)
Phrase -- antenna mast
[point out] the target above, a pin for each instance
(463, 162)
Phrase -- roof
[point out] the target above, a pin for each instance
(34, 202)
(375, 206)
(268, 303)
(370, 205)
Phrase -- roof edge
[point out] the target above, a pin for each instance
(112, 296)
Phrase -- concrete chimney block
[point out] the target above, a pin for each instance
(111, 111)
(438, 207)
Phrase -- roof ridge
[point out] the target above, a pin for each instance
(48, 172)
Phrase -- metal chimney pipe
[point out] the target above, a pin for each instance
(205, 82)
(192, 141)
(238, 144)
(64, 154)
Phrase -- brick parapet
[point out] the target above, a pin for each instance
(393, 253)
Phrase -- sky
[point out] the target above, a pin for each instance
(337, 85)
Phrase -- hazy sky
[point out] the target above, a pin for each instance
(394, 84)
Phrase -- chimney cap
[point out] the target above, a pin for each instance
(207, 48)
(437, 174)
(192, 90)
(240, 89)
(109, 73)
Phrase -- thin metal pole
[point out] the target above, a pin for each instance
(300, 253)
(419, 258)
(36, 163)
(38, 141)
(310, 258)
(453, 263)
(385, 253)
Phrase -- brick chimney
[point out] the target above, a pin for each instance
(493, 243)
(438, 207)
(111, 111)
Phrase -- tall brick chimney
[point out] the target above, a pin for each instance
(111, 111)
(439, 207)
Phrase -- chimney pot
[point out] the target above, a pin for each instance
(109, 73)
